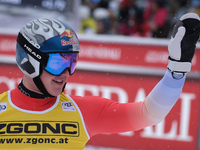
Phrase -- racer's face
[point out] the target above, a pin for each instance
(54, 84)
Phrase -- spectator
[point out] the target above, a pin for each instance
(101, 16)
(124, 17)
(143, 18)
(178, 8)
(104, 17)
(88, 24)
(195, 6)
(136, 13)
(156, 19)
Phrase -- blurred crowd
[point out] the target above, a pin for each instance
(141, 18)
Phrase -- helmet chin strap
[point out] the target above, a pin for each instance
(41, 87)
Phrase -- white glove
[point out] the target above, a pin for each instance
(182, 45)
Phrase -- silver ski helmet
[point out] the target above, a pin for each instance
(46, 44)
(42, 40)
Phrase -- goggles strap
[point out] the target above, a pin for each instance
(31, 49)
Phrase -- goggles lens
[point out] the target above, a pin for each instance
(59, 62)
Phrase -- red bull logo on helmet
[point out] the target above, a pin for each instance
(67, 33)
(70, 42)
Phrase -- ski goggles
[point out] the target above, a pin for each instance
(59, 62)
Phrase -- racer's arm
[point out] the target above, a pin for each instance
(106, 116)
(181, 51)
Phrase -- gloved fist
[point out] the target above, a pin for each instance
(182, 45)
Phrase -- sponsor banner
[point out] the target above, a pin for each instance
(7, 44)
(124, 53)
(129, 54)
(178, 131)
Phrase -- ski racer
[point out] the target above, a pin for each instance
(38, 115)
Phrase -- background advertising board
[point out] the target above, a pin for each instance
(124, 70)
